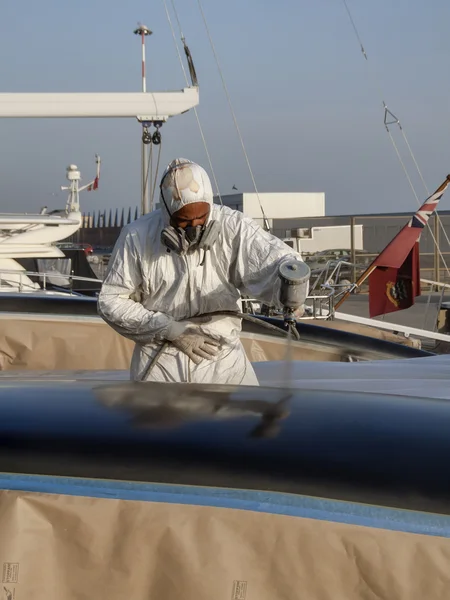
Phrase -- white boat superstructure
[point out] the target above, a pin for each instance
(34, 235)
(24, 234)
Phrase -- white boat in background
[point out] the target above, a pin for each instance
(33, 236)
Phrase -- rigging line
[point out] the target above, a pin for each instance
(150, 202)
(152, 196)
(387, 112)
(433, 237)
(415, 161)
(266, 222)
(355, 29)
(441, 224)
(147, 171)
(178, 20)
(405, 139)
(208, 156)
(439, 220)
(175, 40)
(403, 165)
(205, 145)
(397, 122)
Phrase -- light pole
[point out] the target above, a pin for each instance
(143, 31)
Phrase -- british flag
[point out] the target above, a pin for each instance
(394, 276)
(420, 218)
(397, 266)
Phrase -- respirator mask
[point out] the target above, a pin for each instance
(180, 241)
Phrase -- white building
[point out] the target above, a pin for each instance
(296, 206)
(283, 205)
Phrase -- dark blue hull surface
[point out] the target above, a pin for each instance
(367, 448)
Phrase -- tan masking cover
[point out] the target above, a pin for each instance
(56, 547)
(47, 343)
(55, 343)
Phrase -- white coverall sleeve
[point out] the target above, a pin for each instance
(116, 304)
(259, 255)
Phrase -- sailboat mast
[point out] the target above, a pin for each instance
(145, 201)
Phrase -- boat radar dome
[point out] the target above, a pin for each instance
(73, 173)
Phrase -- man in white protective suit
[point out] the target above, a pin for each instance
(173, 268)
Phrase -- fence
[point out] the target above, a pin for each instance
(378, 231)
(101, 230)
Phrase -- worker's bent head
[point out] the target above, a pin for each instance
(191, 215)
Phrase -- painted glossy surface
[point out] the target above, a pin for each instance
(385, 450)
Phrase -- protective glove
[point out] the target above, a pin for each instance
(197, 346)
(192, 342)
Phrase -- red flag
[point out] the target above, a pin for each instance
(392, 288)
(93, 185)
(394, 276)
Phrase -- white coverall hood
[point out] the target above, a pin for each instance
(184, 182)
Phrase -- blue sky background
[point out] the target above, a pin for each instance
(309, 110)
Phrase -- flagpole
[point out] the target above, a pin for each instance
(371, 268)
(360, 281)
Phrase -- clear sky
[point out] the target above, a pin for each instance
(308, 105)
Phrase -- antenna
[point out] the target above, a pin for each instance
(143, 31)
(73, 175)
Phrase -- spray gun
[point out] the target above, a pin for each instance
(294, 275)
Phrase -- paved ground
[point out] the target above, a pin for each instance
(423, 314)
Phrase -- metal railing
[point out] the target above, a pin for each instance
(23, 286)
(319, 306)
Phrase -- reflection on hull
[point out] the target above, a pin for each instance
(369, 448)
